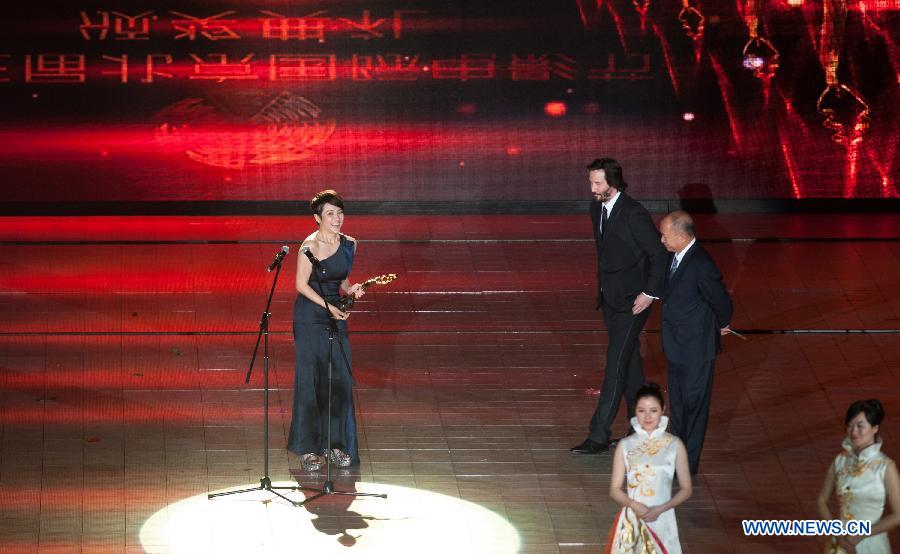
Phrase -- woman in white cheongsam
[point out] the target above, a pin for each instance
(862, 478)
(645, 464)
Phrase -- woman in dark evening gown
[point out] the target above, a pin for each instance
(309, 423)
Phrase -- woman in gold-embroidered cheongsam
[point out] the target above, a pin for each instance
(862, 478)
(645, 463)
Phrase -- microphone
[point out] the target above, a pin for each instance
(312, 258)
(278, 257)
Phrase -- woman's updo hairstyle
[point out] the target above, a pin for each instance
(872, 408)
(651, 389)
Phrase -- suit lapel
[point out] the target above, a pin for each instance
(621, 206)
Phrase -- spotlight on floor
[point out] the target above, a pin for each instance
(410, 520)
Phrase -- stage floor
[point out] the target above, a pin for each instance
(124, 342)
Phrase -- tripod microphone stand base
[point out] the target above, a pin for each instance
(328, 490)
(265, 484)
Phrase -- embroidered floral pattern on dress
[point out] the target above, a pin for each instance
(852, 468)
(643, 474)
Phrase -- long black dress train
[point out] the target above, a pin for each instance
(311, 322)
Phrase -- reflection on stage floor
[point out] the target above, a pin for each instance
(124, 343)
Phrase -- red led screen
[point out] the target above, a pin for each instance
(425, 100)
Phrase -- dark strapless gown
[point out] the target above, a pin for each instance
(310, 408)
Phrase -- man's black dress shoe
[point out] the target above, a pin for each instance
(613, 442)
(590, 447)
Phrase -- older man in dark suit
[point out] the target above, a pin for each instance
(696, 312)
(631, 267)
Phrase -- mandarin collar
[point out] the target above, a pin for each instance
(867, 453)
(658, 432)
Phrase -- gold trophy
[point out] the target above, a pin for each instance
(345, 304)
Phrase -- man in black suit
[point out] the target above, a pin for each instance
(696, 312)
(631, 266)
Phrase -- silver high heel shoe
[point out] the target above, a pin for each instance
(310, 462)
(338, 458)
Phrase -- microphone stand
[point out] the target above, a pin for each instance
(265, 483)
(328, 487)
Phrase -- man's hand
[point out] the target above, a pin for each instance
(641, 303)
(727, 330)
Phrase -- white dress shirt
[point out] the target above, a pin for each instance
(609, 208)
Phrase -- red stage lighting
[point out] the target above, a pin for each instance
(555, 109)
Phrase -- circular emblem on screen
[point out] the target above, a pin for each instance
(286, 129)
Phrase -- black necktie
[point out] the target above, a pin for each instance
(603, 218)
